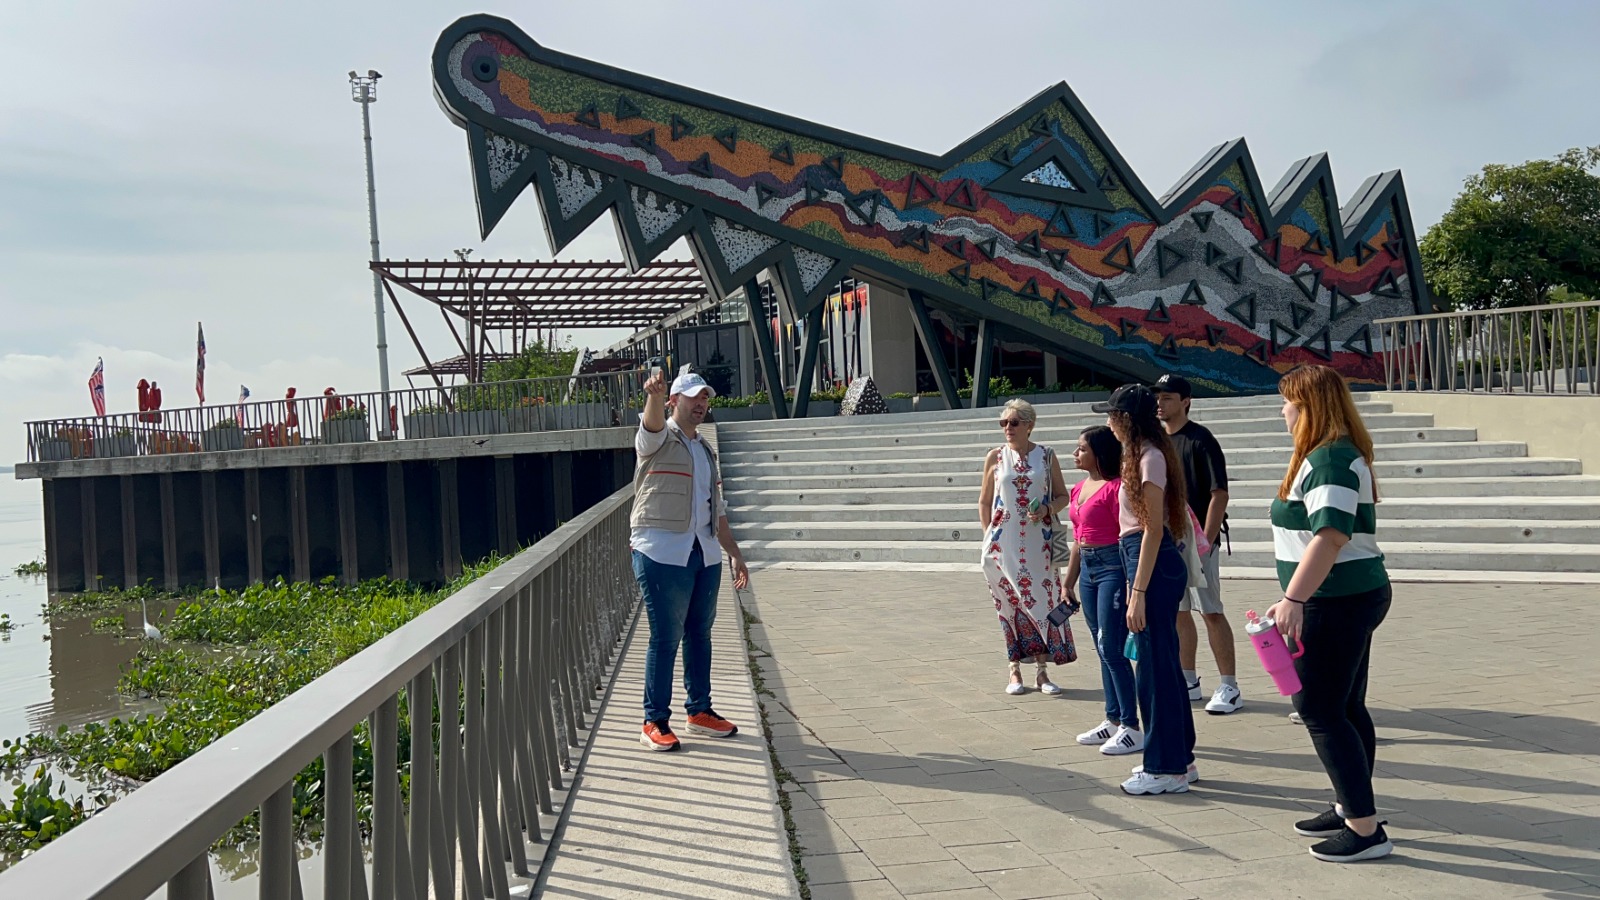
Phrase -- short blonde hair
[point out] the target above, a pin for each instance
(1023, 409)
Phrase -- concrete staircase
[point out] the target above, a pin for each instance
(901, 491)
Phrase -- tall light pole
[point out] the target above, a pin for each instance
(364, 90)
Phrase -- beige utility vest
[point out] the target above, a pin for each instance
(663, 486)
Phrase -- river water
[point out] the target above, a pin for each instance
(51, 673)
(62, 672)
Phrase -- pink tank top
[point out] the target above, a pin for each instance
(1094, 520)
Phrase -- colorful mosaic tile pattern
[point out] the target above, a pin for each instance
(1036, 223)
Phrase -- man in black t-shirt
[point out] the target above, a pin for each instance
(1205, 478)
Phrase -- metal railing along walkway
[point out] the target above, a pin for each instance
(496, 407)
(507, 667)
(1550, 349)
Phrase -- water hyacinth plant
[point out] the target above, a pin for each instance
(229, 655)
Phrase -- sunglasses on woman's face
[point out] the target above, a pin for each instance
(1010, 423)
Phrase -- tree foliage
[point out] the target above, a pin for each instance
(1517, 232)
(535, 361)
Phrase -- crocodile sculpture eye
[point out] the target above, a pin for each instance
(485, 68)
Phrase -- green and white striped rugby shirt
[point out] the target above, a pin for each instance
(1333, 489)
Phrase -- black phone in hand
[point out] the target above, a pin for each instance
(1061, 613)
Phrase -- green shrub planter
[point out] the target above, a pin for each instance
(346, 431)
(115, 445)
(429, 425)
(217, 439)
(55, 449)
(525, 419)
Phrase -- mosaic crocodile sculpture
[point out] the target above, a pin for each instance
(1036, 223)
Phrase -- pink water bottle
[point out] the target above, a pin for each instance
(1275, 656)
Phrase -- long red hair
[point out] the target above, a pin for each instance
(1327, 413)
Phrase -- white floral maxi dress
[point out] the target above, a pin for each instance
(1017, 560)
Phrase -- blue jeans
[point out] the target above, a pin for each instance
(681, 603)
(1163, 695)
(1103, 589)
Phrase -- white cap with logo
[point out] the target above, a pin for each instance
(690, 384)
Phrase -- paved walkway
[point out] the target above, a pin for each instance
(699, 824)
(916, 774)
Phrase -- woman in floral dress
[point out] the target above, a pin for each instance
(1017, 560)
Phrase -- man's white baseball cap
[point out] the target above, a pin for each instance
(690, 384)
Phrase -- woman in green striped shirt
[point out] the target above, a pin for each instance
(1335, 595)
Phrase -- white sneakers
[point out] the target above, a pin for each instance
(1126, 740)
(1113, 740)
(1098, 735)
(1145, 783)
(1226, 700)
(1191, 776)
(1141, 783)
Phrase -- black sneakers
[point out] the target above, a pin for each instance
(1327, 824)
(1347, 846)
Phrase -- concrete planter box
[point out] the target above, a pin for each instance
(1058, 397)
(900, 404)
(482, 421)
(115, 445)
(928, 404)
(597, 415)
(818, 408)
(55, 449)
(525, 419)
(346, 431)
(216, 439)
(568, 417)
(730, 414)
(760, 412)
(429, 425)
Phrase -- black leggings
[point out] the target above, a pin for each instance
(1333, 694)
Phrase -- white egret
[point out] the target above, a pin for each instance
(150, 631)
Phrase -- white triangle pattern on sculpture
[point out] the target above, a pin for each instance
(575, 186)
(813, 267)
(505, 156)
(739, 245)
(1050, 173)
(656, 213)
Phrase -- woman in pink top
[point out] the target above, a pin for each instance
(1095, 578)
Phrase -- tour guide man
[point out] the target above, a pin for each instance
(677, 498)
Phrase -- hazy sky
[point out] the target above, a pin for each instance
(172, 162)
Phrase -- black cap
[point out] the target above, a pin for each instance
(1134, 399)
(1173, 384)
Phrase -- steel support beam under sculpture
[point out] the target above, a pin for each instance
(1036, 224)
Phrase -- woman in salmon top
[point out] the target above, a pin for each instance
(1153, 517)
(1095, 578)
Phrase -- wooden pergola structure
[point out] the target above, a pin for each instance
(495, 309)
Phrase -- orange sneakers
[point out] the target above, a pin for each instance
(712, 725)
(658, 736)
